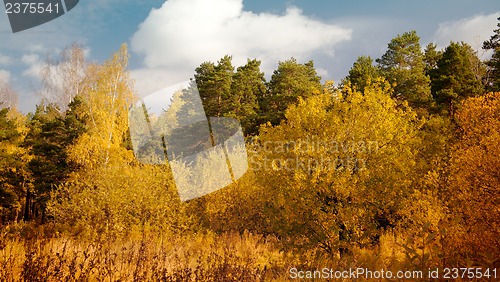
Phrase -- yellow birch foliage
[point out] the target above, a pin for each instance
(113, 194)
(108, 95)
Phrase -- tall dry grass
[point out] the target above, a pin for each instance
(200, 257)
(35, 254)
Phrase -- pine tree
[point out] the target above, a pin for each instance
(289, 81)
(248, 85)
(214, 86)
(431, 57)
(362, 73)
(51, 134)
(403, 64)
(493, 79)
(457, 76)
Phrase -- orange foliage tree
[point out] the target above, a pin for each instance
(475, 175)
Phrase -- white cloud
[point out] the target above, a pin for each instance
(30, 58)
(34, 70)
(5, 60)
(181, 34)
(4, 76)
(473, 31)
(322, 72)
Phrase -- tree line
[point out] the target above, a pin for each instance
(434, 115)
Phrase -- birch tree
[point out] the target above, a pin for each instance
(62, 78)
(107, 97)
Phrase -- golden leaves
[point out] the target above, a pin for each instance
(107, 98)
(475, 170)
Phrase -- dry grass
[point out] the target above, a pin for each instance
(192, 258)
(189, 257)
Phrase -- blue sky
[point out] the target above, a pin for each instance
(168, 40)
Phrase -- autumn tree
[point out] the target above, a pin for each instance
(337, 171)
(106, 98)
(123, 199)
(403, 64)
(474, 185)
(112, 194)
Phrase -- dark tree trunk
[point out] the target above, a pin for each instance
(27, 207)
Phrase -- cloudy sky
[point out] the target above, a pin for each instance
(168, 40)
